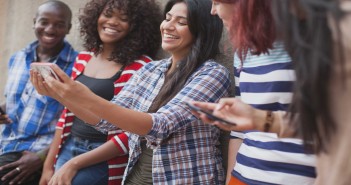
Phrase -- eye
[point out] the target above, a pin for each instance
(215, 3)
(124, 18)
(183, 21)
(43, 23)
(61, 25)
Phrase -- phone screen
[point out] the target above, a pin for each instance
(44, 70)
(209, 114)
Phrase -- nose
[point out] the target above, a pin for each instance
(168, 25)
(50, 28)
(113, 22)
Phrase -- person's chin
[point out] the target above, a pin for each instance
(49, 45)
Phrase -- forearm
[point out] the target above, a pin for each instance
(126, 119)
(103, 153)
(79, 111)
(280, 124)
(234, 145)
(53, 150)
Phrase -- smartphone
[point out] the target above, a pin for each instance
(44, 69)
(2, 112)
(209, 114)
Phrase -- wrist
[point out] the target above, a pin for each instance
(74, 164)
(259, 119)
(42, 155)
(266, 121)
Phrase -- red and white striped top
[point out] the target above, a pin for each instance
(119, 137)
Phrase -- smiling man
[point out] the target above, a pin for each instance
(28, 125)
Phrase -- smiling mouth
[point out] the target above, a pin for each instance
(111, 30)
(48, 38)
(169, 36)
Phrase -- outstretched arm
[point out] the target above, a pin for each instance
(71, 94)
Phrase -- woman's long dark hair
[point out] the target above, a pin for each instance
(309, 41)
(207, 31)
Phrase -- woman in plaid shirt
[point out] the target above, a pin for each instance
(180, 148)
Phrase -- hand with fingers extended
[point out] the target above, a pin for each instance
(63, 89)
(231, 109)
(40, 85)
(65, 174)
(46, 176)
(23, 169)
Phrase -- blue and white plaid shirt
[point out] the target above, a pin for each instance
(34, 116)
(185, 150)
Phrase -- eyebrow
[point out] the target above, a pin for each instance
(182, 17)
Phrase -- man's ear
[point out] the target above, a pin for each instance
(34, 21)
(69, 28)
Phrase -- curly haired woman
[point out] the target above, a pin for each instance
(119, 36)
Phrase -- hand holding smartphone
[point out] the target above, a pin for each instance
(44, 69)
(4, 119)
(2, 112)
(208, 114)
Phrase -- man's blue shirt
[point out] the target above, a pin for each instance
(34, 116)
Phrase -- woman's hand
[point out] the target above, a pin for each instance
(40, 85)
(46, 176)
(65, 174)
(64, 89)
(233, 110)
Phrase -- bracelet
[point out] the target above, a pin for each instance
(269, 121)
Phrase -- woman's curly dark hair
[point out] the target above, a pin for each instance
(144, 37)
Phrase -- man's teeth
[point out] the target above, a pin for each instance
(48, 38)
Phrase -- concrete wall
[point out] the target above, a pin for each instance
(16, 21)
